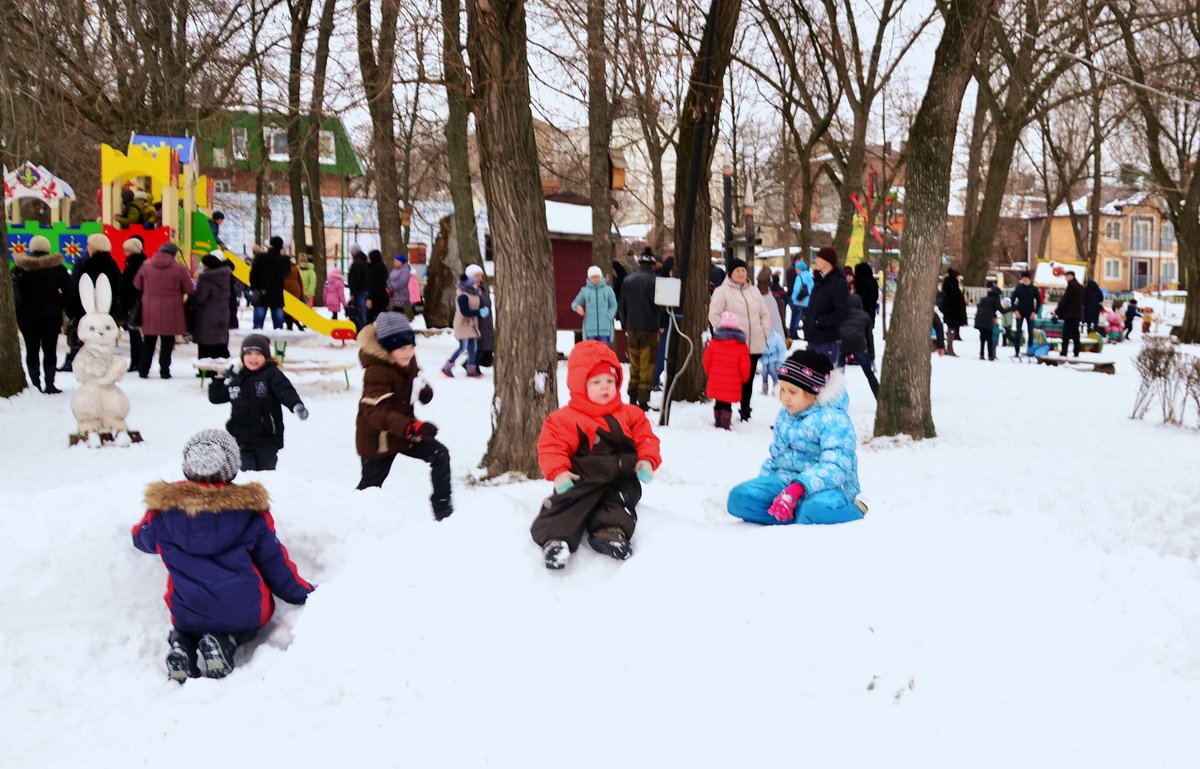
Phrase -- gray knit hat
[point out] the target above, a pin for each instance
(393, 331)
(211, 456)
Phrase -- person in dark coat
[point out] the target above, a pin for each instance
(40, 283)
(855, 331)
(716, 276)
(485, 353)
(827, 307)
(267, 273)
(218, 542)
(985, 320)
(953, 305)
(1070, 312)
(619, 273)
(1092, 297)
(131, 298)
(356, 281)
(1026, 304)
(163, 283)
(211, 302)
(377, 277)
(867, 288)
(257, 391)
(640, 320)
(97, 243)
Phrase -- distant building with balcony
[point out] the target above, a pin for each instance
(1136, 248)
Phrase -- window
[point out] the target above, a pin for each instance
(1112, 229)
(1141, 234)
(222, 185)
(1167, 273)
(326, 148)
(1112, 269)
(275, 137)
(1167, 241)
(240, 148)
(220, 158)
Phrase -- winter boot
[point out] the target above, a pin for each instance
(473, 371)
(442, 508)
(722, 418)
(557, 553)
(51, 389)
(764, 392)
(217, 652)
(611, 541)
(743, 414)
(448, 369)
(181, 659)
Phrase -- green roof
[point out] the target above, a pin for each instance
(219, 133)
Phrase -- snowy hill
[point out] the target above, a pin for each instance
(1023, 592)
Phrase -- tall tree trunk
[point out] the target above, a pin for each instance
(698, 126)
(457, 153)
(599, 137)
(258, 164)
(12, 375)
(377, 66)
(979, 130)
(851, 184)
(526, 361)
(299, 12)
(904, 404)
(979, 249)
(312, 144)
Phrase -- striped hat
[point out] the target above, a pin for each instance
(806, 369)
(393, 331)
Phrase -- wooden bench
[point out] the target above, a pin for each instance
(211, 366)
(1100, 366)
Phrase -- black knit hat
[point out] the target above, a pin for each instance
(647, 256)
(257, 342)
(393, 331)
(807, 369)
(829, 255)
(276, 242)
(735, 263)
(211, 456)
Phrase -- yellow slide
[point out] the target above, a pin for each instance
(338, 329)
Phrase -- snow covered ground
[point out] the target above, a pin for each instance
(1024, 592)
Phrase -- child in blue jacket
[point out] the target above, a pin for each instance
(218, 542)
(811, 475)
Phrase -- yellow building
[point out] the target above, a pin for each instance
(1137, 241)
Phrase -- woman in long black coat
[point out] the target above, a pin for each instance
(377, 275)
(41, 282)
(867, 288)
(954, 309)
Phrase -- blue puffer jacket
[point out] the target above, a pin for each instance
(600, 307)
(218, 543)
(803, 278)
(817, 447)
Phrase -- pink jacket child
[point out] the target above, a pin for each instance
(335, 291)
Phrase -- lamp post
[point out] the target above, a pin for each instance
(748, 219)
(727, 209)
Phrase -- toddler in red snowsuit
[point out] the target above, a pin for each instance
(727, 363)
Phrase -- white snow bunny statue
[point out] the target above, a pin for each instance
(100, 407)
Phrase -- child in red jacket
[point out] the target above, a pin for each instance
(727, 363)
(597, 451)
(217, 540)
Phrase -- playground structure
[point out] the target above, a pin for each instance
(166, 169)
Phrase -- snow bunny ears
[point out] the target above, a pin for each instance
(96, 326)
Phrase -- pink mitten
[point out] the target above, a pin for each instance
(783, 509)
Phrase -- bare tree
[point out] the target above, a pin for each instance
(1160, 42)
(693, 211)
(904, 405)
(454, 73)
(377, 63)
(526, 361)
(599, 135)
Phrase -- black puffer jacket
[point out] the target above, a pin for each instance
(267, 272)
(101, 263)
(1026, 300)
(42, 284)
(257, 397)
(855, 327)
(828, 305)
(1070, 307)
(985, 311)
(636, 304)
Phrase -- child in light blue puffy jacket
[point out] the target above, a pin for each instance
(811, 475)
(772, 358)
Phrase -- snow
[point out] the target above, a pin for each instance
(1023, 592)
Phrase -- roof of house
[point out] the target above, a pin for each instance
(218, 134)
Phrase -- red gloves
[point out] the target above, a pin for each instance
(420, 431)
(783, 509)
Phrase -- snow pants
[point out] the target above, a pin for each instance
(588, 507)
(750, 501)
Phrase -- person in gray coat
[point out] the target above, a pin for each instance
(211, 302)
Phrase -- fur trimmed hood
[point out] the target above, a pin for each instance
(834, 389)
(196, 498)
(29, 262)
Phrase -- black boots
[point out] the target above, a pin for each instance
(723, 419)
(216, 649)
(181, 659)
(612, 542)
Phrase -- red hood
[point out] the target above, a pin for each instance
(583, 358)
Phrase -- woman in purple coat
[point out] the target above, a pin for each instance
(164, 283)
(211, 303)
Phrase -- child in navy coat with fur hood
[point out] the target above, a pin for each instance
(217, 540)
